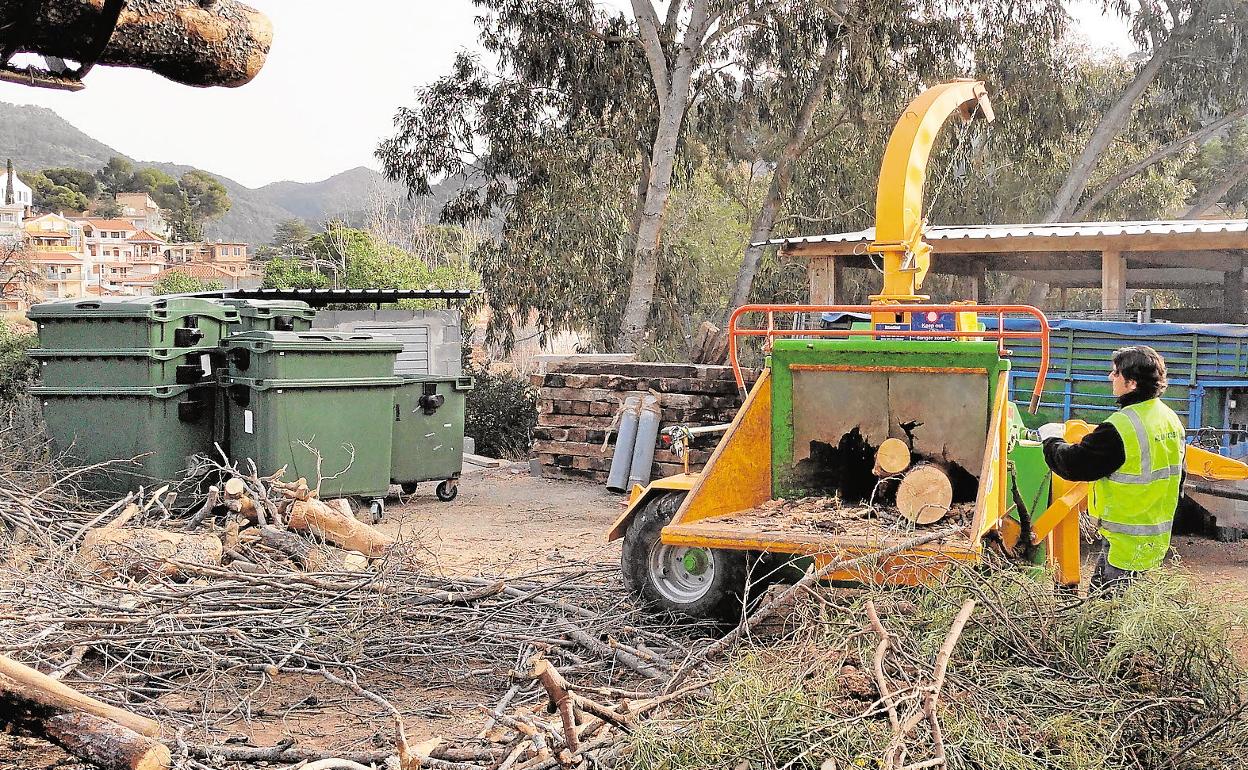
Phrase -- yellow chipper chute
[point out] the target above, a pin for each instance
(798, 476)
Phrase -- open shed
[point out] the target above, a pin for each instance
(1115, 257)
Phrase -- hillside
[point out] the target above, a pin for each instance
(36, 138)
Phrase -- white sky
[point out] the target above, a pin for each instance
(334, 78)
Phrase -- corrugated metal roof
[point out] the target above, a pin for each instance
(323, 297)
(988, 232)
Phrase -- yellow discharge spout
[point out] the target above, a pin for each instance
(899, 199)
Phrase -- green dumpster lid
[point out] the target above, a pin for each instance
(155, 354)
(154, 308)
(348, 382)
(161, 391)
(260, 341)
(252, 308)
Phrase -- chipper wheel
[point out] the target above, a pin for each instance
(701, 583)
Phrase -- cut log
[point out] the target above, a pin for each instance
(105, 743)
(893, 456)
(222, 43)
(235, 499)
(925, 494)
(140, 552)
(343, 531)
(39, 694)
(310, 556)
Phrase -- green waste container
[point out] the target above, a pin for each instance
(166, 425)
(270, 315)
(277, 423)
(429, 433)
(148, 367)
(131, 323)
(310, 355)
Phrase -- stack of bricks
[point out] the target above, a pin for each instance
(577, 403)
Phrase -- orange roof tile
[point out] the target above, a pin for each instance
(144, 235)
(111, 224)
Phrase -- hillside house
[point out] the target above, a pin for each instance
(56, 259)
(139, 208)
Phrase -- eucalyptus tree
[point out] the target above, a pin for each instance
(1190, 81)
(547, 135)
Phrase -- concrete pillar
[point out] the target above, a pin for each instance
(1113, 282)
(1233, 289)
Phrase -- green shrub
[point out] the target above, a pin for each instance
(17, 370)
(500, 413)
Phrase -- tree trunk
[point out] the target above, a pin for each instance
(781, 181)
(188, 41)
(1110, 125)
(43, 696)
(1214, 194)
(672, 90)
(1160, 154)
(105, 743)
(925, 494)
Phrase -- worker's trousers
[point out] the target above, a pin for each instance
(1108, 579)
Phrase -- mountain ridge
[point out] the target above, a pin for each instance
(36, 138)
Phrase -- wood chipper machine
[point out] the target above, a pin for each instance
(893, 439)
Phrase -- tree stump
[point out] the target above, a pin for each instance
(925, 494)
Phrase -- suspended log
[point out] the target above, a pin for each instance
(139, 552)
(196, 43)
(333, 526)
(892, 457)
(925, 494)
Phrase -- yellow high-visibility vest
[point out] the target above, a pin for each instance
(1136, 503)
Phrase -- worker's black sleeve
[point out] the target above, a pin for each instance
(1099, 454)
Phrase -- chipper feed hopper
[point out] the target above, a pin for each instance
(882, 453)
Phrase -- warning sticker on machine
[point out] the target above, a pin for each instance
(248, 427)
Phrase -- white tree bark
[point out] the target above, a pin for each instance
(1110, 126)
(781, 182)
(674, 84)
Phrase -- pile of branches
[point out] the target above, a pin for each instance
(278, 620)
(987, 671)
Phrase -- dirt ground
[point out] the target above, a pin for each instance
(506, 522)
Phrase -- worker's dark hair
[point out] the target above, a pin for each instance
(1145, 367)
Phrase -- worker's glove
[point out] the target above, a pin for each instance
(1052, 430)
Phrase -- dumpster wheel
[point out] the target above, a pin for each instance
(376, 510)
(447, 490)
(701, 583)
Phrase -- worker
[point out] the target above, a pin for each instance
(1134, 461)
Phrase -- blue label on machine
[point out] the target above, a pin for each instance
(894, 328)
(933, 321)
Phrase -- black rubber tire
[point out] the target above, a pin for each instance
(446, 492)
(376, 511)
(409, 488)
(723, 600)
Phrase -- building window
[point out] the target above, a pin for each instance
(238, 251)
